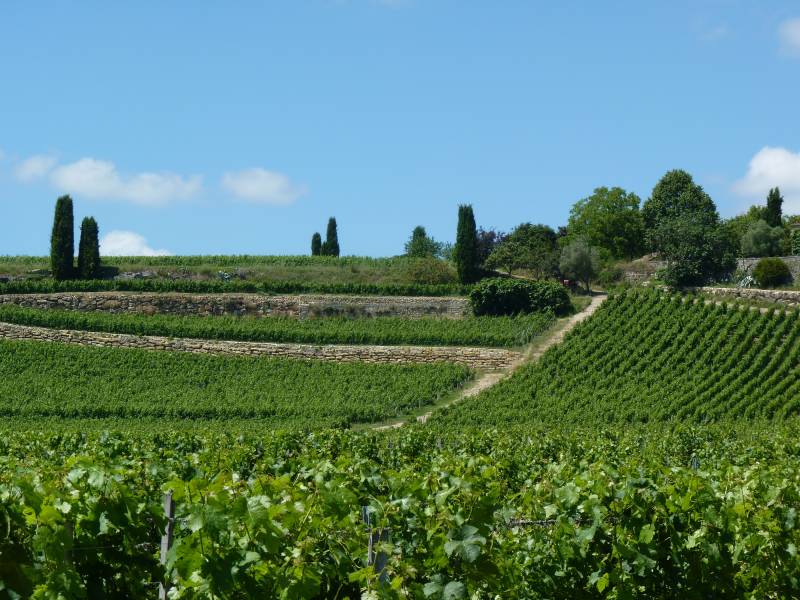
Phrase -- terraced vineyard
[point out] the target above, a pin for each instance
(647, 356)
(476, 331)
(54, 380)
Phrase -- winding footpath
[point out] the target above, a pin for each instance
(536, 350)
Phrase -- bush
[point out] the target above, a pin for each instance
(771, 272)
(499, 296)
(430, 271)
(610, 276)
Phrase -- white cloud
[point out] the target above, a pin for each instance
(260, 185)
(127, 243)
(789, 34)
(773, 167)
(34, 167)
(100, 179)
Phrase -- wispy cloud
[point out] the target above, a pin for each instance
(34, 167)
(262, 186)
(772, 167)
(789, 36)
(128, 243)
(100, 179)
(714, 33)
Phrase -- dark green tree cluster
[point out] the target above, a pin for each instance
(62, 245)
(682, 225)
(421, 245)
(528, 246)
(609, 220)
(330, 247)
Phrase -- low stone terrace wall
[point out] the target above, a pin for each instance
(476, 358)
(298, 306)
(788, 297)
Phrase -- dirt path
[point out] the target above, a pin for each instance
(490, 378)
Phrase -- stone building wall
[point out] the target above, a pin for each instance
(259, 305)
(477, 358)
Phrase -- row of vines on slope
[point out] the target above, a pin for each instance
(476, 331)
(648, 356)
(40, 379)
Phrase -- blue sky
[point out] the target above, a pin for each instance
(210, 127)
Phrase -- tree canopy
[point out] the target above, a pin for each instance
(465, 252)
(580, 261)
(683, 226)
(528, 246)
(609, 219)
(420, 245)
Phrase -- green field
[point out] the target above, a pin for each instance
(286, 270)
(648, 356)
(40, 379)
(520, 514)
(474, 331)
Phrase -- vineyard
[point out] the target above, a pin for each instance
(219, 286)
(521, 514)
(476, 331)
(53, 380)
(575, 477)
(647, 356)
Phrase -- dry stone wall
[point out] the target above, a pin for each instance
(477, 358)
(745, 265)
(257, 305)
(790, 298)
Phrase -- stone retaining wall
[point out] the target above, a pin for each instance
(258, 305)
(790, 298)
(745, 265)
(477, 358)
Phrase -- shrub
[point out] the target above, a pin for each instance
(430, 271)
(610, 276)
(771, 272)
(499, 296)
(762, 240)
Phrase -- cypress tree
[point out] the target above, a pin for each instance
(316, 244)
(465, 253)
(774, 213)
(331, 246)
(62, 240)
(89, 250)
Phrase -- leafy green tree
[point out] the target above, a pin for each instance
(695, 252)
(331, 245)
(420, 245)
(89, 250)
(580, 261)
(528, 246)
(62, 240)
(488, 240)
(465, 252)
(610, 220)
(683, 226)
(762, 240)
(676, 194)
(774, 213)
(737, 226)
(316, 244)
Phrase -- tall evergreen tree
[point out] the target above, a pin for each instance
(89, 250)
(465, 253)
(316, 244)
(331, 245)
(774, 213)
(62, 240)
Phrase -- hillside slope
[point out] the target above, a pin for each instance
(647, 356)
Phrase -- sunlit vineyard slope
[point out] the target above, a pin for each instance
(648, 356)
